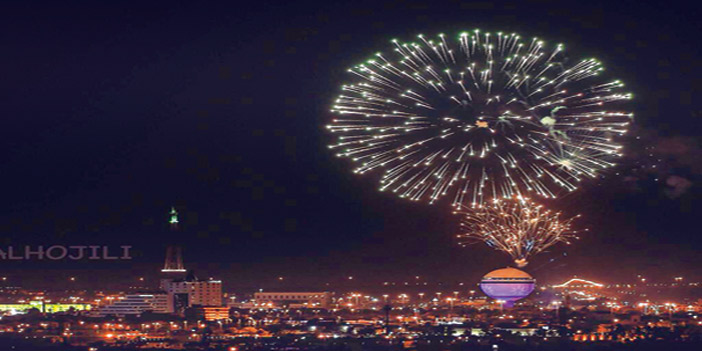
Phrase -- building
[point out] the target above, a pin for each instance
(191, 291)
(293, 299)
(186, 290)
(137, 304)
(215, 313)
(17, 308)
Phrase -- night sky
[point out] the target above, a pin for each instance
(114, 113)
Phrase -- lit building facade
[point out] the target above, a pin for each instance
(293, 299)
(212, 313)
(16, 308)
(137, 304)
(191, 292)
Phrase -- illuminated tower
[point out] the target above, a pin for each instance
(507, 285)
(174, 260)
(174, 255)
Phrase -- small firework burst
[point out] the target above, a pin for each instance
(516, 226)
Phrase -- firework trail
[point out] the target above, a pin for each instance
(477, 117)
(516, 226)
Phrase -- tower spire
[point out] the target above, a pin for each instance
(174, 260)
(174, 254)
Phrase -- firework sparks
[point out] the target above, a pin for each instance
(478, 117)
(517, 226)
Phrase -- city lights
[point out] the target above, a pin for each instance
(321, 176)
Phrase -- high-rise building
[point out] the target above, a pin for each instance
(192, 291)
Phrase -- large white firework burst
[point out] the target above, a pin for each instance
(516, 226)
(478, 116)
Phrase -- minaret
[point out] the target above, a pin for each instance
(174, 255)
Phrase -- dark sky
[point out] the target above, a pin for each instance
(115, 112)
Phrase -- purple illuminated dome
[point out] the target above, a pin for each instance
(507, 284)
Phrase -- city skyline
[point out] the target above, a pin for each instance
(359, 175)
(155, 114)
